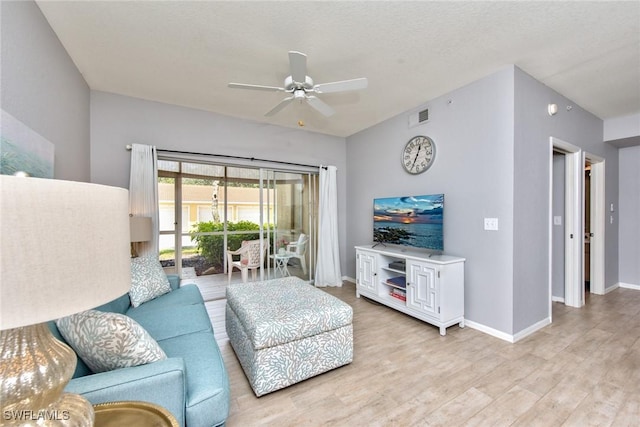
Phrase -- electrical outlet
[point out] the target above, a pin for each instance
(491, 224)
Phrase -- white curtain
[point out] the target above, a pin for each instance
(143, 191)
(328, 262)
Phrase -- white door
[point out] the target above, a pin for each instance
(596, 237)
(422, 288)
(366, 274)
(574, 237)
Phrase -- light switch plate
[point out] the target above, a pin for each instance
(557, 220)
(491, 224)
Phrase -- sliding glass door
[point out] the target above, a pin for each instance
(208, 209)
(293, 196)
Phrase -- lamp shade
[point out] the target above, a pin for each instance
(64, 248)
(140, 228)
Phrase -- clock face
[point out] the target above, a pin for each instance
(418, 154)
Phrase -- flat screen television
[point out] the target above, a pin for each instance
(415, 221)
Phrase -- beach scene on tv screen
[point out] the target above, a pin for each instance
(411, 220)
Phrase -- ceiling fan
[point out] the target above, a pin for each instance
(300, 87)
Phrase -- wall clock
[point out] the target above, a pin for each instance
(418, 155)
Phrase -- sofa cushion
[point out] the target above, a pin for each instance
(208, 396)
(172, 321)
(107, 341)
(118, 305)
(186, 295)
(148, 280)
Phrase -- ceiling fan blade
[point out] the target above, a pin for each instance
(341, 86)
(255, 87)
(320, 105)
(275, 110)
(298, 65)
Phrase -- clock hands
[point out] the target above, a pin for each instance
(416, 157)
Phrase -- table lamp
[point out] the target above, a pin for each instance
(64, 248)
(140, 227)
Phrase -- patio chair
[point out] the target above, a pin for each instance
(251, 258)
(299, 250)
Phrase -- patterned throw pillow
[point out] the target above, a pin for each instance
(108, 341)
(148, 280)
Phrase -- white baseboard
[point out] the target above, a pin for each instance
(487, 330)
(557, 299)
(507, 337)
(531, 329)
(349, 279)
(611, 288)
(628, 286)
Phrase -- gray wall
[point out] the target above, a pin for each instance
(492, 138)
(473, 132)
(623, 128)
(533, 127)
(43, 89)
(119, 120)
(629, 216)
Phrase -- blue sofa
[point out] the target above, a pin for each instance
(192, 382)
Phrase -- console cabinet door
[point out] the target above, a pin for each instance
(422, 290)
(366, 274)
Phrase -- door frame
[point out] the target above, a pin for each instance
(597, 226)
(573, 220)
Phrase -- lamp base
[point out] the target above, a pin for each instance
(34, 369)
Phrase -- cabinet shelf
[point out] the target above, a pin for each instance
(394, 270)
(436, 294)
(397, 282)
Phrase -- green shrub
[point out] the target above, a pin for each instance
(212, 246)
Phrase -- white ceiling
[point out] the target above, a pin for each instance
(185, 53)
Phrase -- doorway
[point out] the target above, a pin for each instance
(582, 255)
(594, 223)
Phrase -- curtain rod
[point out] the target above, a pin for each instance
(225, 156)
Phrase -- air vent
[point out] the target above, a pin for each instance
(418, 117)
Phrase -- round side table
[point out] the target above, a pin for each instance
(281, 262)
(139, 414)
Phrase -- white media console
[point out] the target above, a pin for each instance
(430, 288)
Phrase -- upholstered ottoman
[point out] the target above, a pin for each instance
(284, 331)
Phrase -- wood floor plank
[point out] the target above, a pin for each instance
(581, 370)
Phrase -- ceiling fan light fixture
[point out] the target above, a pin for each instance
(300, 85)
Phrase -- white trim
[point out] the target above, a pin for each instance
(628, 286)
(597, 226)
(531, 329)
(504, 336)
(349, 279)
(611, 288)
(489, 331)
(574, 234)
(557, 299)
(550, 232)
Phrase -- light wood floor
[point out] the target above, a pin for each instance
(582, 370)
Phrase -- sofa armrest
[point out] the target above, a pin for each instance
(162, 383)
(174, 281)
